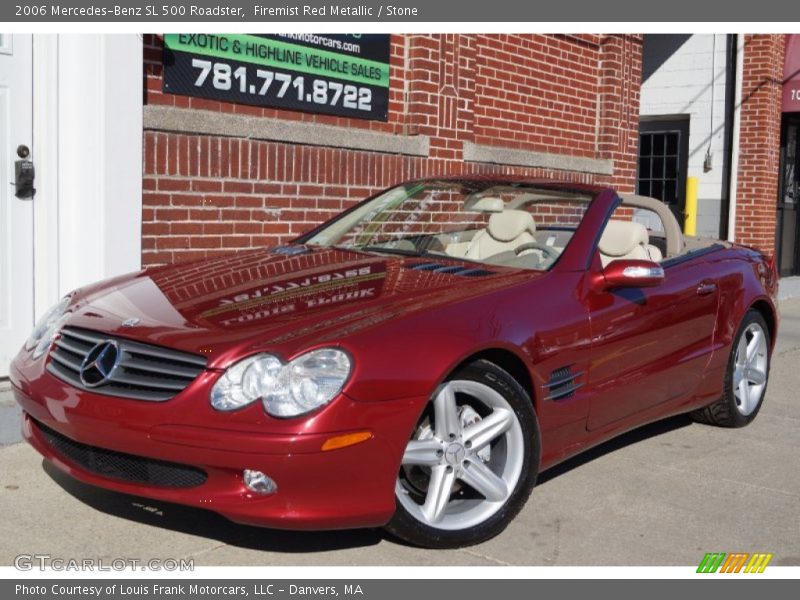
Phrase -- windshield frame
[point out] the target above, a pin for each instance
(584, 193)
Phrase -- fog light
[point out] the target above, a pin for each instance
(258, 482)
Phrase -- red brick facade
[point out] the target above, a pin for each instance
(546, 101)
(573, 96)
(759, 144)
(620, 85)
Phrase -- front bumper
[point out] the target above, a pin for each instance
(343, 488)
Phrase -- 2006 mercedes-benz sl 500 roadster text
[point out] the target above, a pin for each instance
(413, 363)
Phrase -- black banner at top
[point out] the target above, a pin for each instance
(410, 11)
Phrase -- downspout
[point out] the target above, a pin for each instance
(727, 144)
(737, 117)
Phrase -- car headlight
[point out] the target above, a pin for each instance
(286, 389)
(46, 328)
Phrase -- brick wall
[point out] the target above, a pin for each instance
(578, 96)
(618, 113)
(547, 100)
(759, 145)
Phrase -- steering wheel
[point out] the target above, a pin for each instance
(549, 250)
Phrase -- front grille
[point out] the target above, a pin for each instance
(118, 465)
(143, 372)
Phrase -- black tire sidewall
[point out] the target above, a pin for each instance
(408, 528)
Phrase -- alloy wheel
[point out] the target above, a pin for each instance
(750, 368)
(464, 460)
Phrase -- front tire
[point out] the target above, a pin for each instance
(471, 462)
(745, 378)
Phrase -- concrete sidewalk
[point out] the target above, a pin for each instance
(789, 288)
(10, 414)
(662, 495)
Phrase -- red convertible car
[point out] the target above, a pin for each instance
(413, 363)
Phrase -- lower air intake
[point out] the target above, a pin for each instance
(125, 467)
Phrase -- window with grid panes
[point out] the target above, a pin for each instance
(659, 165)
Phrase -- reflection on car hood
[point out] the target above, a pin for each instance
(262, 300)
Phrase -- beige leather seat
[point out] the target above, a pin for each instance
(654, 252)
(626, 239)
(487, 204)
(505, 231)
(490, 204)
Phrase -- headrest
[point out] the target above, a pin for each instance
(489, 204)
(621, 237)
(510, 224)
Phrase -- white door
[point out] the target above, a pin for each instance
(16, 215)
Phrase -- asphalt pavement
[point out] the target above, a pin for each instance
(662, 495)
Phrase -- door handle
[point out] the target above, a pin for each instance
(706, 287)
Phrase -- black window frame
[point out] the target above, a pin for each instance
(664, 128)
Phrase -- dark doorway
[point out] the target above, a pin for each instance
(664, 161)
(788, 189)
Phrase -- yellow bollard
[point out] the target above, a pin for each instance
(690, 211)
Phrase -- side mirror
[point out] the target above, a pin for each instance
(625, 273)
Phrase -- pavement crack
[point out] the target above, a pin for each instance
(486, 557)
(787, 351)
(780, 417)
(205, 551)
(755, 486)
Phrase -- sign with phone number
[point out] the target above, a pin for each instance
(343, 75)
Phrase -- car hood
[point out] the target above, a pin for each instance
(279, 300)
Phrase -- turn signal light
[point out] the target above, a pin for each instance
(348, 439)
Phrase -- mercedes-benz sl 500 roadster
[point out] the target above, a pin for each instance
(413, 363)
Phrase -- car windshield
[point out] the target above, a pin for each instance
(510, 224)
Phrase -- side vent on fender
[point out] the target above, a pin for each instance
(562, 384)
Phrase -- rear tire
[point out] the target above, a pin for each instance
(471, 462)
(746, 376)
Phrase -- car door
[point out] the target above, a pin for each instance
(650, 345)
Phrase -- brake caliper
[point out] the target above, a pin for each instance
(469, 417)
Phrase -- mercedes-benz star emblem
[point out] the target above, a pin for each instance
(99, 364)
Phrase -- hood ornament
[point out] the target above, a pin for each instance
(132, 322)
